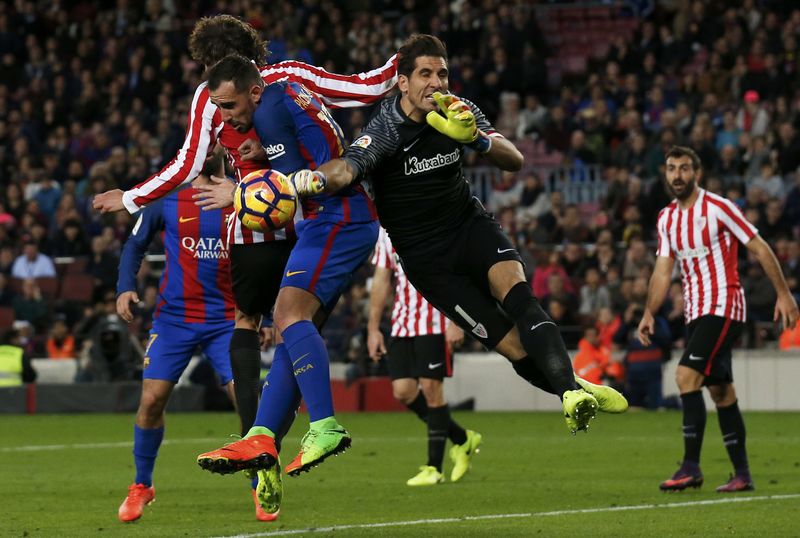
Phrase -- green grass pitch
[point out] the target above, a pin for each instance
(65, 475)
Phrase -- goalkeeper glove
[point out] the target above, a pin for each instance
(458, 122)
(308, 182)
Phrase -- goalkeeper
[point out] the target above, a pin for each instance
(452, 250)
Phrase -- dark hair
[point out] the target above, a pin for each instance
(213, 38)
(415, 46)
(683, 151)
(235, 68)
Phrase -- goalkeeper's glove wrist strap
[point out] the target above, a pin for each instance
(482, 144)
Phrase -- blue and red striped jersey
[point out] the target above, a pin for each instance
(297, 132)
(196, 284)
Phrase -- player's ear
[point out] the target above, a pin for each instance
(255, 92)
(402, 83)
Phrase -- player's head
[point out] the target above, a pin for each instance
(214, 38)
(683, 171)
(421, 70)
(235, 86)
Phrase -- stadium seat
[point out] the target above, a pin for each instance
(77, 266)
(48, 285)
(7, 317)
(77, 287)
(15, 285)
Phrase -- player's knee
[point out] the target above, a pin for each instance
(722, 395)
(151, 407)
(403, 393)
(688, 380)
(433, 390)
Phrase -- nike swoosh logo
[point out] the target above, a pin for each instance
(301, 358)
(432, 366)
(411, 145)
(292, 273)
(694, 357)
(499, 251)
(535, 325)
(186, 219)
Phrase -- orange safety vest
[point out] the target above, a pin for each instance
(590, 363)
(65, 351)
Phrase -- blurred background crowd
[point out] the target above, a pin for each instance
(94, 96)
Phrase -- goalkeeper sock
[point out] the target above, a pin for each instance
(540, 338)
(146, 442)
(246, 368)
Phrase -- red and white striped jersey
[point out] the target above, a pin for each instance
(412, 315)
(206, 128)
(704, 240)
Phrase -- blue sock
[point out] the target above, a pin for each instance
(145, 451)
(311, 368)
(280, 395)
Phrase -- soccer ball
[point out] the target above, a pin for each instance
(265, 201)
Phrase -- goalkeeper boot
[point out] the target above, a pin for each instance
(609, 399)
(461, 455)
(317, 445)
(427, 476)
(579, 408)
(269, 493)
(687, 476)
(138, 497)
(739, 482)
(256, 452)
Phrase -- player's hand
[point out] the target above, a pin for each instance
(308, 182)
(217, 194)
(646, 328)
(786, 310)
(108, 201)
(458, 121)
(453, 335)
(124, 302)
(251, 150)
(375, 345)
(270, 336)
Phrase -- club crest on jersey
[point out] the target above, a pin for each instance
(205, 248)
(701, 223)
(362, 142)
(415, 165)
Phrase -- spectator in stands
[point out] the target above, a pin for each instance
(29, 305)
(607, 325)
(787, 147)
(532, 119)
(791, 267)
(594, 295)
(544, 269)
(70, 240)
(102, 263)
(637, 258)
(556, 291)
(60, 344)
(570, 227)
(752, 118)
(643, 364)
(32, 263)
(592, 358)
(6, 259)
(768, 181)
(774, 226)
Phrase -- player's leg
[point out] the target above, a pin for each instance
(215, 342)
(256, 272)
(731, 424)
(319, 269)
(169, 350)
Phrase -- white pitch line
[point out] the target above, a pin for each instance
(80, 446)
(525, 515)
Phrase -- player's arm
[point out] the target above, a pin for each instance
(379, 293)
(338, 91)
(149, 223)
(378, 140)
(464, 122)
(786, 306)
(182, 168)
(659, 285)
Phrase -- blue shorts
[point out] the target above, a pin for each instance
(326, 256)
(172, 344)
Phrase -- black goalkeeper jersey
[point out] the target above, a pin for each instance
(420, 190)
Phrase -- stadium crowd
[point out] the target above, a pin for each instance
(93, 98)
